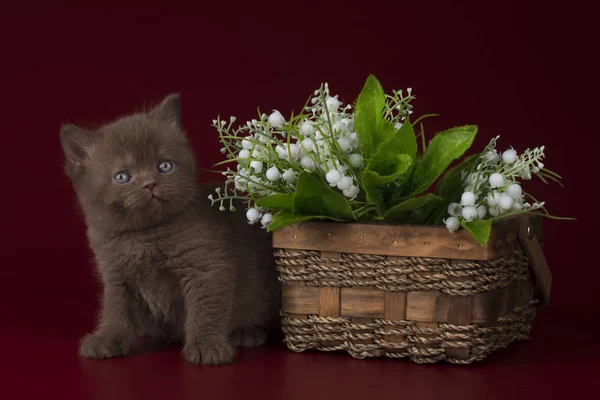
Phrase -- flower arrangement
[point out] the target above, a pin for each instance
(363, 162)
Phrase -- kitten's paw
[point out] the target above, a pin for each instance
(100, 347)
(249, 337)
(215, 354)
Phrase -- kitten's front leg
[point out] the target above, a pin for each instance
(115, 334)
(208, 297)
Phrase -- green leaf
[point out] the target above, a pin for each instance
(479, 228)
(376, 185)
(314, 197)
(421, 216)
(444, 148)
(277, 202)
(284, 218)
(400, 212)
(397, 142)
(450, 188)
(368, 118)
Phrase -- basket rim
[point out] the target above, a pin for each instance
(402, 240)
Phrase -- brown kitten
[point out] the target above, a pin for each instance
(172, 267)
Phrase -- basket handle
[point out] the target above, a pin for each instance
(535, 254)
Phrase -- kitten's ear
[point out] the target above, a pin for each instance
(169, 110)
(76, 142)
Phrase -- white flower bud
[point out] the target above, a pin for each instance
(308, 144)
(491, 157)
(496, 180)
(244, 154)
(344, 183)
(467, 199)
(469, 213)
(455, 209)
(252, 215)
(354, 139)
(506, 201)
(351, 192)
(517, 206)
(333, 176)
(246, 144)
(493, 199)
(295, 150)
(258, 152)
(307, 128)
(256, 165)
(276, 120)
(540, 165)
(481, 212)
(509, 156)
(307, 163)
(273, 174)
(493, 211)
(332, 103)
(514, 191)
(266, 219)
(280, 151)
(344, 144)
(289, 176)
(452, 224)
(398, 125)
(356, 160)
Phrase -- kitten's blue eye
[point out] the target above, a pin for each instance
(165, 166)
(122, 177)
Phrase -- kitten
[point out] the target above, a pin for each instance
(172, 267)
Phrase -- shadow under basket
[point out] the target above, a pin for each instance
(410, 291)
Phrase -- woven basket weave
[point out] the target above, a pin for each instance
(409, 291)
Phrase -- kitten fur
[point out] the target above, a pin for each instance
(172, 267)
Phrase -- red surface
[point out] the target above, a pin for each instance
(519, 69)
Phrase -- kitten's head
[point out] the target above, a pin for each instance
(134, 172)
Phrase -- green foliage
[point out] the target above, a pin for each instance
(479, 228)
(314, 197)
(394, 177)
(284, 218)
(400, 213)
(444, 148)
(368, 118)
(395, 185)
(277, 202)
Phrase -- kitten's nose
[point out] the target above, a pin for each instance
(149, 185)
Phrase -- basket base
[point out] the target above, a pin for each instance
(457, 344)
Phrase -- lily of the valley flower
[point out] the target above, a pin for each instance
(276, 120)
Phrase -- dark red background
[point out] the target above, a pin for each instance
(522, 70)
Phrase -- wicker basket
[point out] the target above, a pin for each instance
(409, 291)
